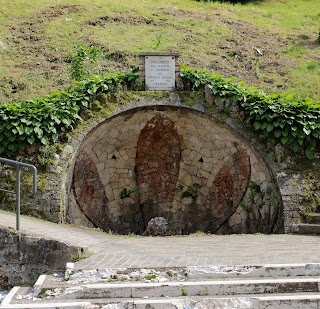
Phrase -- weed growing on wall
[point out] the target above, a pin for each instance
(46, 153)
(254, 192)
(311, 199)
(127, 191)
(192, 191)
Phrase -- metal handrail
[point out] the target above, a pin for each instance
(18, 166)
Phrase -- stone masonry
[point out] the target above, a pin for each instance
(23, 258)
(175, 163)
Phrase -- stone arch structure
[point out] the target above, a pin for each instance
(165, 159)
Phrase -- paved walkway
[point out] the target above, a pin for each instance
(136, 251)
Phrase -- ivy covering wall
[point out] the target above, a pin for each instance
(282, 118)
(43, 120)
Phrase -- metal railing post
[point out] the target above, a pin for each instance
(18, 166)
(18, 174)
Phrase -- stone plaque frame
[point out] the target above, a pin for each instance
(160, 70)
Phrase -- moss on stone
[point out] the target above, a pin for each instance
(191, 97)
(210, 108)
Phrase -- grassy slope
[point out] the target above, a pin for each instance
(269, 43)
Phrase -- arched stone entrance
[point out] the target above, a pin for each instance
(172, 162)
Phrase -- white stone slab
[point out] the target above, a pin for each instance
(6, 301)
(38, 285)
(160, 72)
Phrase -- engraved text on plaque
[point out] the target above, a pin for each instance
(160, 72)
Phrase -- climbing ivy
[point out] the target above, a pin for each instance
(42, 120)
(283, 119)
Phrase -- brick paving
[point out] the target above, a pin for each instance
(196, 250)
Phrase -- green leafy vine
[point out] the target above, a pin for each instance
(42, 120)
(283, 119)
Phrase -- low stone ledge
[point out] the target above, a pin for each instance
(305, 229)
(23, 258)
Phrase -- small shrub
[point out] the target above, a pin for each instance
(82, 60)
(150, 276)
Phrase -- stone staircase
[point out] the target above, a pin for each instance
(254, 287)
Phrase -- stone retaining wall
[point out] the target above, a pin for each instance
(209, 162)
(175, 163)
(24, 258)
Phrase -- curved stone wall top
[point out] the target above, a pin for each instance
(161, 158)
(171, 99)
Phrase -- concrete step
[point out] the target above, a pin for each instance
(257, 287)
(305, 229)
(21, 297)
(298, 301)
(303, 301)
(178, 289)
(124, 275)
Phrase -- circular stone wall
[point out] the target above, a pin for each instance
(174, 163)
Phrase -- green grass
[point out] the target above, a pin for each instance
(290, 17)
(218, 37)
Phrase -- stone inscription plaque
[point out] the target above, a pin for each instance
(160, 72)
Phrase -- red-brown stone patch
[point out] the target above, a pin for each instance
(228, 189)
(89, 192)
(157, 166)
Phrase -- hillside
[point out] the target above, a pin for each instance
(270, 44)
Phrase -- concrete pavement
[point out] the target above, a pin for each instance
(111, 251)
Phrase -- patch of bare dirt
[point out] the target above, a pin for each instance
(252, 54)
(132, 20)
(32, 30)
(154, 20)
(248, 52)
(33, 51)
